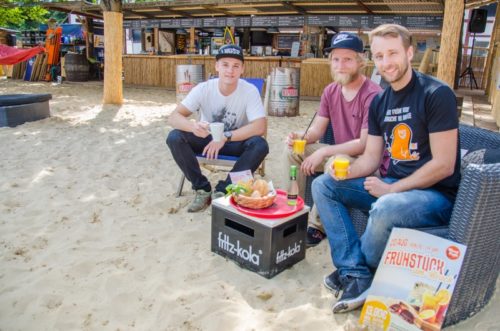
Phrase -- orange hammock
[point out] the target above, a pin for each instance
(11, 55)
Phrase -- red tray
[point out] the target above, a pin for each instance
(278, 209)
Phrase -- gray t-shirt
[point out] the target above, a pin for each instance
(239, 108)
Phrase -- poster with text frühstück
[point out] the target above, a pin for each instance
(414, 282)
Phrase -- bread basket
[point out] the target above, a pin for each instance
(254, 202)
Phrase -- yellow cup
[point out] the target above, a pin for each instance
(299, 146)
(429, 301)
(340, 166)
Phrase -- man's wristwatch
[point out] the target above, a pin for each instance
(228, 135)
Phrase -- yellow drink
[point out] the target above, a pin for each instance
(299, 146)
(340, 166)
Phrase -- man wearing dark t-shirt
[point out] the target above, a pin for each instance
(415, 123)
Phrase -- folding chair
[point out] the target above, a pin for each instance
(226, 160)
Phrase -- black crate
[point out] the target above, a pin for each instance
(265, 246)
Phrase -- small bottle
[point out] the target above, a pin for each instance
(293, 188)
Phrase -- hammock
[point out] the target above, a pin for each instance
(11, 55)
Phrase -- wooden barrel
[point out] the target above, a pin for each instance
(187, 76)
(76, 67)
(284, 92)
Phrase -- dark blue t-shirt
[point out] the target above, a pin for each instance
(405, 118)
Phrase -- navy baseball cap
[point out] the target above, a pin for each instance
(346, 40)
(230, 50)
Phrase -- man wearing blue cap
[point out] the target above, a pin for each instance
(414, 121)
(228, 100)
(344, 105)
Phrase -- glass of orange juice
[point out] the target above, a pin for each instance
(340, 166)
(443, 303)
(299, 146)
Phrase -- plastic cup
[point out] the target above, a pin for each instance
(217, 130)
(444, 302)
(299, 146)
(429, 301)
(340, 166)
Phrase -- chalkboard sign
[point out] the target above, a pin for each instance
(388, 19)
(285, 41)
(290, 21)
(265, 21)
(214, 22)
(244, 21)
(339, 21)
(423, 22)
(322, 20)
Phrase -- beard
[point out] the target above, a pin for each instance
(402, 70)
(344, 79)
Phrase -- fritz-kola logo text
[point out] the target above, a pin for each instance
(285, 254)
(235, 249)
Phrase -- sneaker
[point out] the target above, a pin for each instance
(314, 237)
(200, 202)
(355, 293)
(333, 282)
(217, 195)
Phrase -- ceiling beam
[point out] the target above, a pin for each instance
(217, 10)
(362, 5)
(289, 5)
(139, 13)
(175, 12)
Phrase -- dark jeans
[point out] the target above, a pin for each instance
(185, 145)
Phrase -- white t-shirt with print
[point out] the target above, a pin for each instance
(239, 108)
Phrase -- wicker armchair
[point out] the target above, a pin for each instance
(474, 223)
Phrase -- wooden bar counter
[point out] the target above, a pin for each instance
(152, 70)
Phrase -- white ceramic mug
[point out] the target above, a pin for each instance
(217, 130)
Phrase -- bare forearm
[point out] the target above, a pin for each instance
(255, 128)
(179, 122)
(351, 148)
(428, 175)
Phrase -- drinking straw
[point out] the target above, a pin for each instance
(305, 132)
(441, 283)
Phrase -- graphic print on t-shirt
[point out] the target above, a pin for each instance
(226, 117)
(400, 144)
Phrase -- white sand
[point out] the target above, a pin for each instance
(93, 237)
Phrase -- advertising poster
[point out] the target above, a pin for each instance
(414, 282)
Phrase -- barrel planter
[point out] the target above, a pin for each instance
(76, 67)
(284, 96)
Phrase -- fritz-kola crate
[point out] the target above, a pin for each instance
(265, 246)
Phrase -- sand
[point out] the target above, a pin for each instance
(93, 237)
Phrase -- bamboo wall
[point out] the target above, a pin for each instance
(149, 70)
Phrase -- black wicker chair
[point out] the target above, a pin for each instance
(474, 223)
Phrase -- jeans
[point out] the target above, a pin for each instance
(354, 255)
(185, 145)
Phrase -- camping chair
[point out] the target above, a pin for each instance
(226, 160)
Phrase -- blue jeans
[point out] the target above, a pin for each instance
(354, 255)
(185, 145)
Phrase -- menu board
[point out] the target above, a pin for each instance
(214, 22)
(285, 41)
(388, 19)
(349, 21)
(322, 20)
(338, 21)
(191, 22)
(421, 22)
(244, 21)
(265, 21)
(290, 21)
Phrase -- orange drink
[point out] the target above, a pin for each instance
(299, 146)
(429, 301)
(444, 301)
(340, 166)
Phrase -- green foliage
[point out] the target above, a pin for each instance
(23, 16)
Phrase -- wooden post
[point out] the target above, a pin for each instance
(113, 45)
(191, 48)
(450, 36)
(494, 44)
